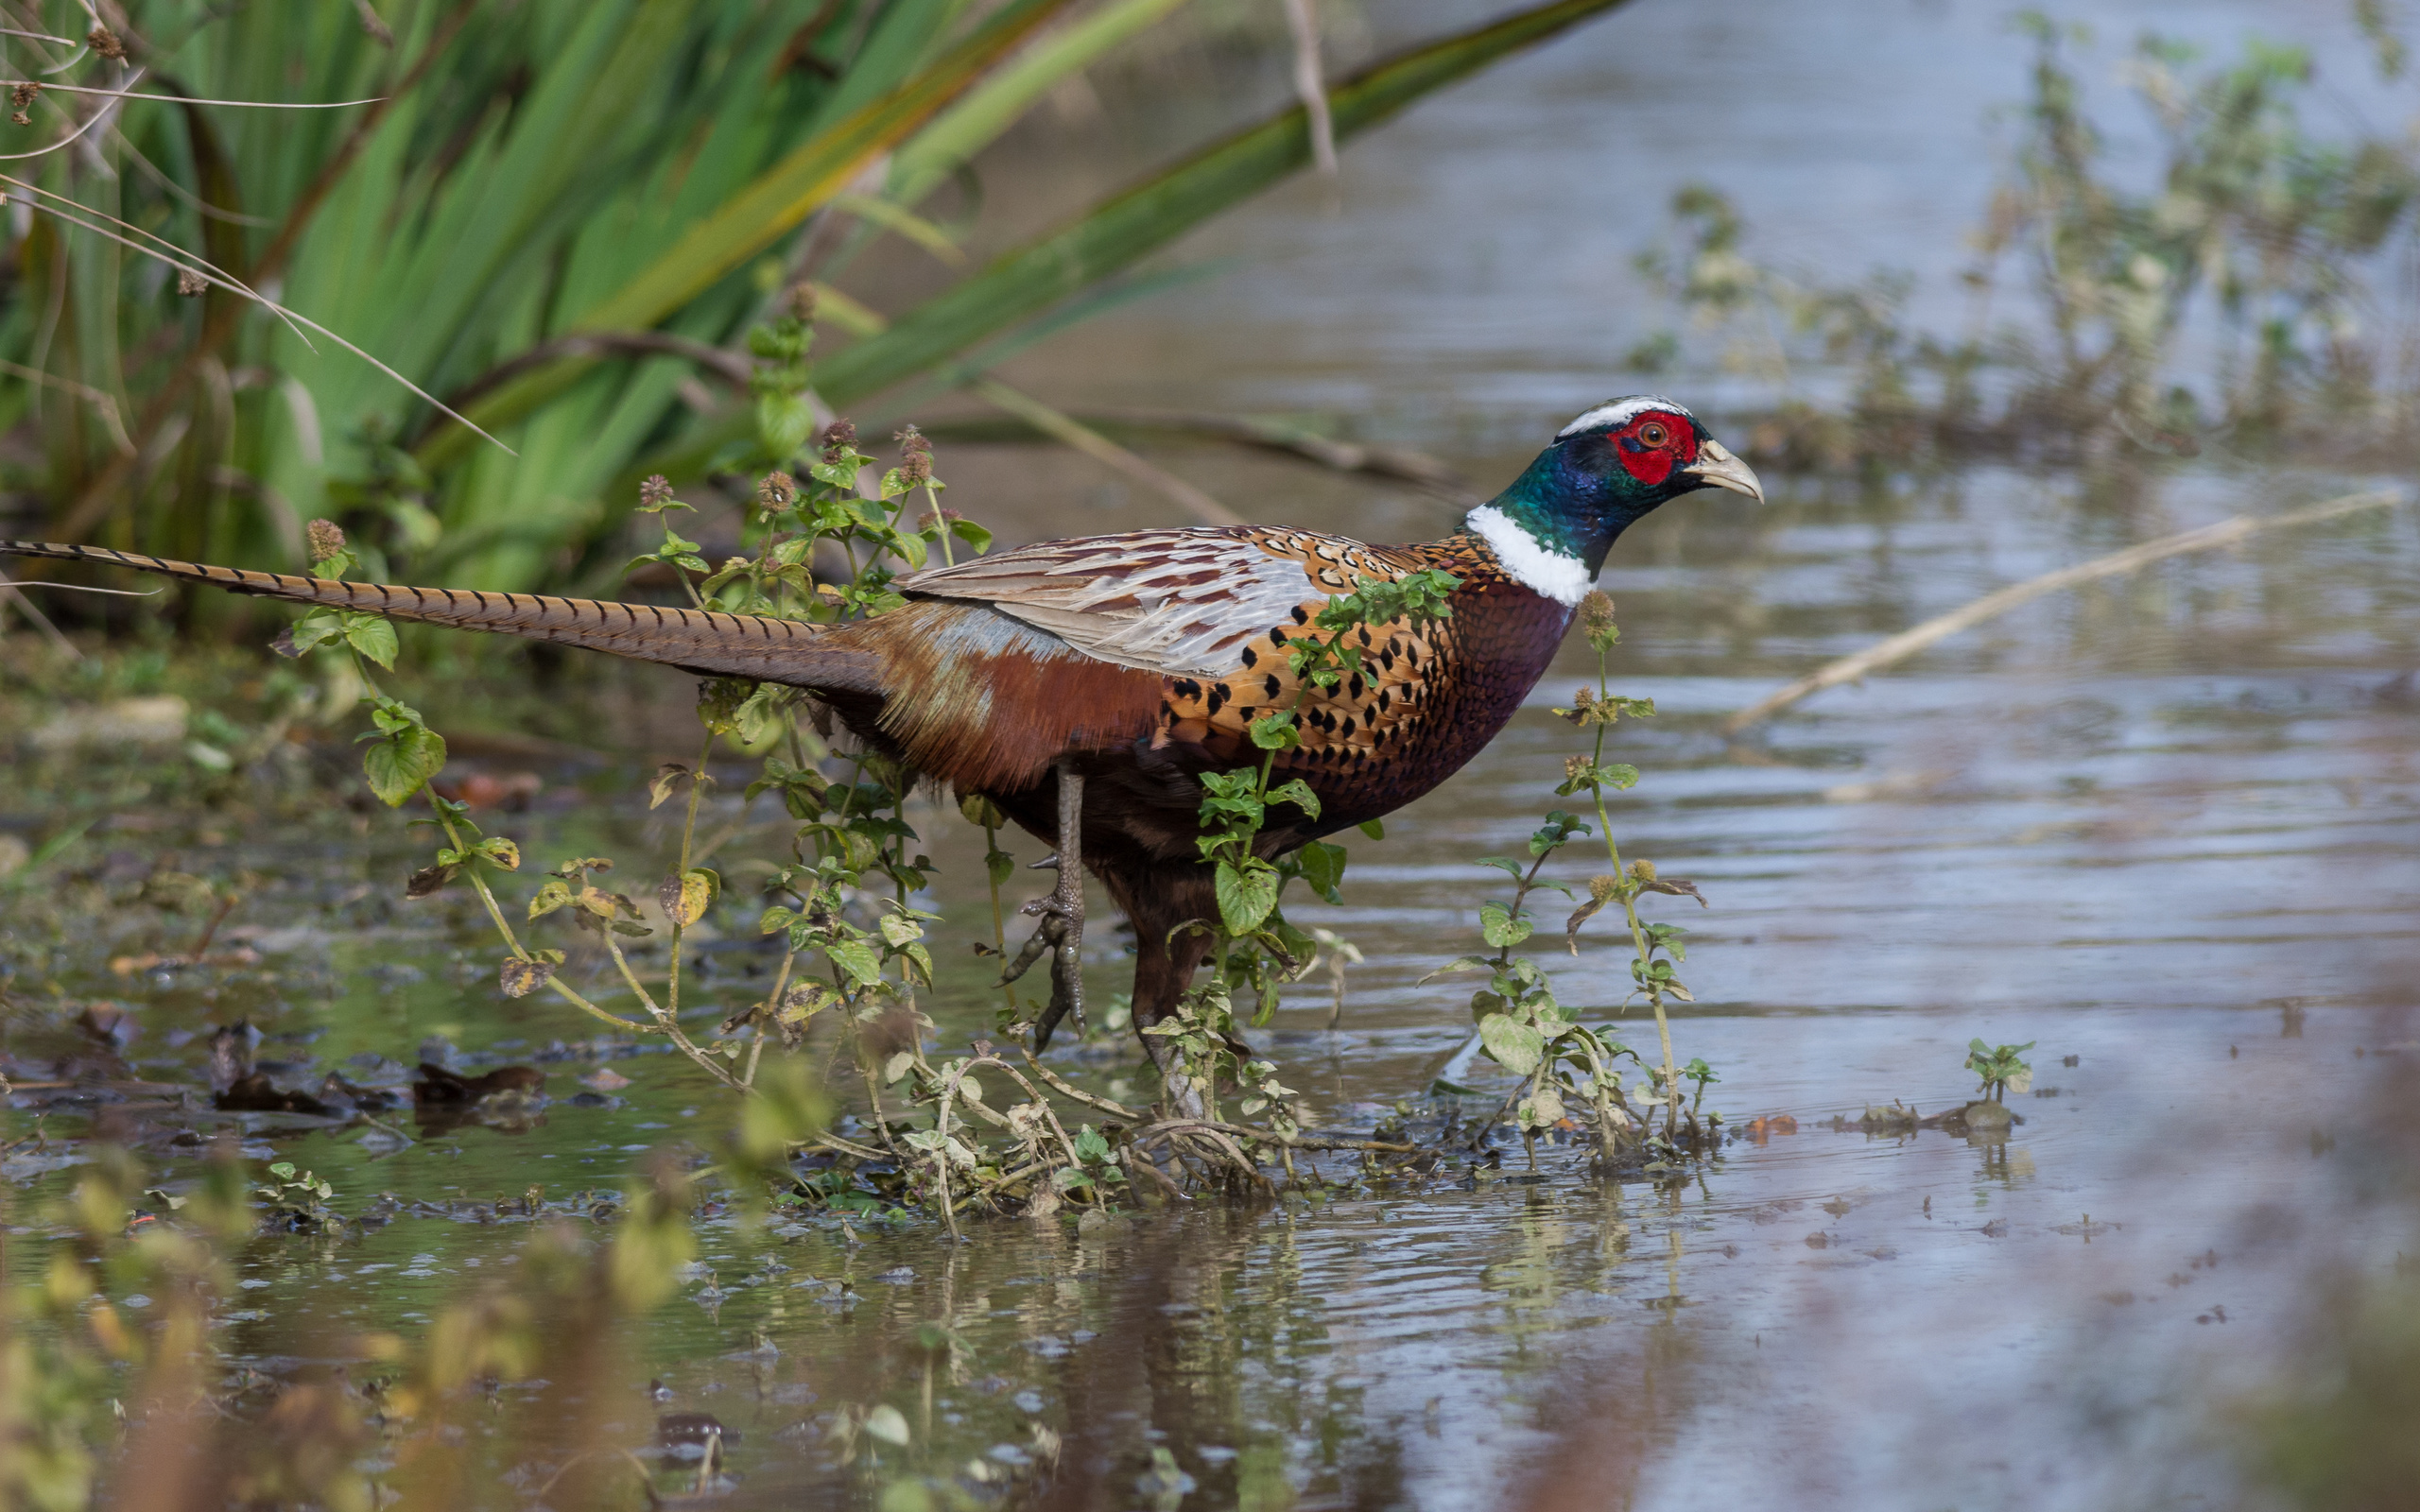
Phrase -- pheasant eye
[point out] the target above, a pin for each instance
(1654, 433)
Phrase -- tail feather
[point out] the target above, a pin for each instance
(741, 645)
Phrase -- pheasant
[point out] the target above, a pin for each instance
(1085, 685)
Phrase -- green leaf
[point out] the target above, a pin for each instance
(1091, 1147)
(319, 626)
(888, 1424)
(760, 717)
(899, 220)
(971, 125)
(761, 213)
(552, 894)
(1499, 928)
(403, 763)
(857, 959)
(1323, 868)
(1459, 962)
(1374, 829)
(1246, 894)
(1276, 732)
(783, 422)
(373, 637)
(1296, 792)
(1517, 1046)
(1559, 830)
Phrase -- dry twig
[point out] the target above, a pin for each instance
(1991, 606)
(1309, 84)
(1073, 432)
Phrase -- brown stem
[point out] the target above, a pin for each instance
(688, 830)
(940, 1166)
(1061, 1084)
(211, 930)
(771, 1006)
(881, 1124)
(840, 1146)
(665, 1023)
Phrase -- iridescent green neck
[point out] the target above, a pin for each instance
(1551, 527)
(1566, 510)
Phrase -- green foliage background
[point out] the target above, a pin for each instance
(553, 213)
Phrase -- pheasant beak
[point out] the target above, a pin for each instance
(1716, 467)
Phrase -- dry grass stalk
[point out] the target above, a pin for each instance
(1991, 606)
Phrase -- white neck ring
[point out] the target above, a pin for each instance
(1527, 561)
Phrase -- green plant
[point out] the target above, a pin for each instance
(1564, 1066)
(2259, 235)
(852, 841)
(298, 1202)
(2001, 1071)
(551, 215)
(1254, 951)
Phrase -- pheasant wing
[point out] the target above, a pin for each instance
(1180, 603)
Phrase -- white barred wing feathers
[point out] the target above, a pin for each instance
(1179, 603)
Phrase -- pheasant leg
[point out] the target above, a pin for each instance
(1061, 930)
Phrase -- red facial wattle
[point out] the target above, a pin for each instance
(1653, 444)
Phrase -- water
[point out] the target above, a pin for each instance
(2164, 828)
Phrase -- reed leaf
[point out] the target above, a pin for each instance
(753, 218)
(1114, 236)
(1154, 214)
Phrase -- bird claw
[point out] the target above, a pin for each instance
(1045, 936)
(1061, 934)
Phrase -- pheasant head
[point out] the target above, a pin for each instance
(1553, 525)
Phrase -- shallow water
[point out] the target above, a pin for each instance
(2166, 828)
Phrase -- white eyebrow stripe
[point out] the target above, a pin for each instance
(1615, 412)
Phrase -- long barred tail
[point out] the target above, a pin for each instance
(741, 645)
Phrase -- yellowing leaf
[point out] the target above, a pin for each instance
(686, 897)
(552, 894)
(519, 977)
(667, 777)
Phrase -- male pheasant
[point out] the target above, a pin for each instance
(1084, 685)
